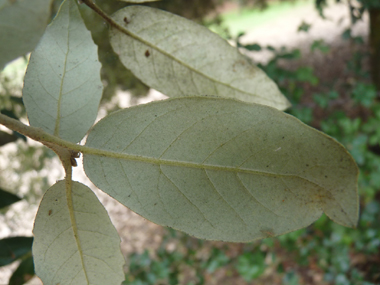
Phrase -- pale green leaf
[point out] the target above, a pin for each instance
(181, 58)
(74, 239)
(62, 87)
(222, 169)
(22, 24)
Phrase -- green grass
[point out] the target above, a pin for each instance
(240, 20)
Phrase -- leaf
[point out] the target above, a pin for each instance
(7, 198)
(24, 272)
(74, 239)
(62, 87)
(13, 248)
(181, 58)
(221, 169)
(304, 27)
(6, 138)
(22, 24)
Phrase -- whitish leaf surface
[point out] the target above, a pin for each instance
(22, 24)
(181, 58)
(222, 169)
(62, 87)
(74, 239)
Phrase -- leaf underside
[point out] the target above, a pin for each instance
(78, 244)
(181, 58)
(222, 169)
(62, 87)
(22, 24)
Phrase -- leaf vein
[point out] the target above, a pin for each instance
(265, 207)
(216, 190)
(186, 198)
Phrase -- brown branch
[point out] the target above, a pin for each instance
(102, 14)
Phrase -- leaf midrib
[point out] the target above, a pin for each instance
(159, 161)
(59, 102)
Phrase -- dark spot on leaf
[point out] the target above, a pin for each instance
(50, 211)
(126, 20)
(307, 165)
(129, 195)
(147, 53)
(155, 204)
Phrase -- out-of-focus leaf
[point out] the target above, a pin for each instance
(20, 136)
(7, 198)
(22, 24)
(74, 239)
(252, 47)
(222, 169)
(62, 87)
(24, 272)
(320, 45)
(17, 100)
(251, 265)
(346, 34)
(9, 113)
(13, 248)
(304, 27)
(181, 58)
(6, 138)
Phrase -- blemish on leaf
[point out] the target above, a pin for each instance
(50, 211)
(267, 233)
(126, 20)
(147, 53)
